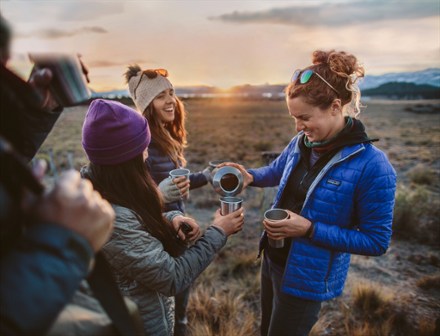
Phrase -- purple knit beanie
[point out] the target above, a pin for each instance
(113, 133)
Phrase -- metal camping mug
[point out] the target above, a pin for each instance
(275, 215)
(179, 172)
(229, 204)
(69, 82)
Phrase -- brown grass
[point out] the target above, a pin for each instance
(429, 282)
(213, 312)
(420, 174)
(373, 311)
(417, 204)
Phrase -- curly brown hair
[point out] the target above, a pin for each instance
(341, 70)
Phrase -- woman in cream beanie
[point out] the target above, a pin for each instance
(154, 97)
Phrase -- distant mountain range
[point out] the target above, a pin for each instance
(429, 76)
(423, 84)
(403, 90)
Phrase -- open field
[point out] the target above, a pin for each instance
(396, 294)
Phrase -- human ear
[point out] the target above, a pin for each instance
(336, 106)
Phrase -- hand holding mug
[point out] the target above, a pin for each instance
(293, 226)
(230, 223)
(40, 80)
(180, 177)
(183, 184)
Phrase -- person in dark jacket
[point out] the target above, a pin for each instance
(47, 239)
(154, 96)
(149, 263)
(337, 187)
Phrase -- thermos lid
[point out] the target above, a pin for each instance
(227, 181)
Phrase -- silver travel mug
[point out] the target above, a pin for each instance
(179, 172)
(275, 215)
(229, 204)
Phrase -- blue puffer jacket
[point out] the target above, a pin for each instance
(159, 165)
(351, 204)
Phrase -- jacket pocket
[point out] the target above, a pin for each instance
(308, 267)
(329, 268)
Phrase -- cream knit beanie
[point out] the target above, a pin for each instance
(144, 89)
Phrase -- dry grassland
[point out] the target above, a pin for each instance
(396, 294)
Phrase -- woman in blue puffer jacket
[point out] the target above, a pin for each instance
(154, 96)
(337, 187)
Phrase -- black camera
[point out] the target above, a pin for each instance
(185, 228)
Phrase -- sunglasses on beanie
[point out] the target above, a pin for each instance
(305, 75)
(151, 74)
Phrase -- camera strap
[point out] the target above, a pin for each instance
(104, 288)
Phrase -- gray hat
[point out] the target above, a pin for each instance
(146, 85)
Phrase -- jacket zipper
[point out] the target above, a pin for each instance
(336, 159)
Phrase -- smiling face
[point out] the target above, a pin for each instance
(318, 124)
(165, 106)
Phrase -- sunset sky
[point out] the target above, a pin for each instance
(224, 43)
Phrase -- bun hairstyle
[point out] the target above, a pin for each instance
(342, 71)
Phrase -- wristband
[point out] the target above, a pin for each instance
(310, 231)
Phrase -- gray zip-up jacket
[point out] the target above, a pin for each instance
(148, 275)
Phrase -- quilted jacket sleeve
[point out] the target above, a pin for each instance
(197, 180)
(138, 255)
(374, 204)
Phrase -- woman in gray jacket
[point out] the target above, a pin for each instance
(149, 262)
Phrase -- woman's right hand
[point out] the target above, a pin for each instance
(247, 178)
(182, 182)
(231, 223)
(173, 190)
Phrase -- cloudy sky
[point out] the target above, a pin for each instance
(225, 42)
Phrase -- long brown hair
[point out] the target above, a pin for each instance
(341, 70)
(129, 184)
(169, 137)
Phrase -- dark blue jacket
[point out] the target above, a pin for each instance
(350, 202)
(39, 277)
(160, 164)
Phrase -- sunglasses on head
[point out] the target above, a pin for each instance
(151, 74)
(305, 75)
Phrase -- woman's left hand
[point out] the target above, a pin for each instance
(294, 226)
(192, 235)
